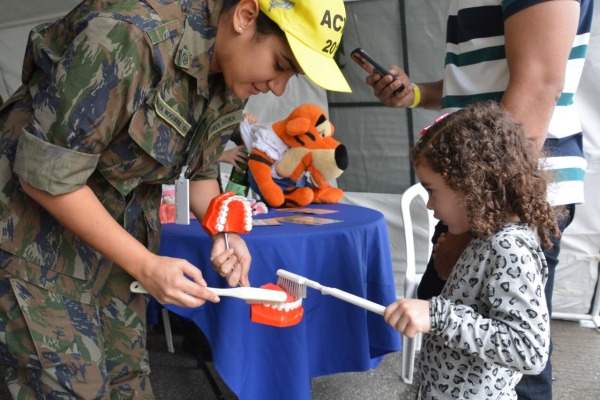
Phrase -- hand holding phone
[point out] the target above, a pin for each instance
(370, 65)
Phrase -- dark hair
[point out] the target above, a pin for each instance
(264, 25)
(484, 155)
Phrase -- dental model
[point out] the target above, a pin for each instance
(228, 212)
(278, 315)
(231, 213)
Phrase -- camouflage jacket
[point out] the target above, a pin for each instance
(116, 96)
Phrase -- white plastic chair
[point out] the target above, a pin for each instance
(411, 278)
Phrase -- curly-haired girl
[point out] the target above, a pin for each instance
(490, 324)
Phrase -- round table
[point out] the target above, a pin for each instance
(259, 361)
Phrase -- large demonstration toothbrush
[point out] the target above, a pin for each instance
(250, 294)
(296, 285)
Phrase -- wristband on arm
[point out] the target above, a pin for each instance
(417, 99)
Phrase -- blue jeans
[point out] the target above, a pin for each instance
(283, 183)
(531, 387)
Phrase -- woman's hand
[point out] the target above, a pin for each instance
(409, 316)
(175, 281)
(232, 264)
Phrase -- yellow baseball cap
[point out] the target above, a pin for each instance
(314, 31)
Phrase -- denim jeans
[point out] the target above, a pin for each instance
(531, 387)
(283, 183)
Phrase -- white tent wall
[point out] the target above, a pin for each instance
(378, 138)
(16, 20)
(10, 65)
(577, 277)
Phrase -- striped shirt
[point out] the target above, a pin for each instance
(476, 69)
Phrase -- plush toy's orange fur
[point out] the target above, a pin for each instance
(309, 134)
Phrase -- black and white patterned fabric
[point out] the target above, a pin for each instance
(490, 325)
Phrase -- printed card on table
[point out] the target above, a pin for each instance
(265, 222)
(306, 210)
(308, 220)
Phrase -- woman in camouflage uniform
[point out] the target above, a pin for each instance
(117, 99)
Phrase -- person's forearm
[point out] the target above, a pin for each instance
(82, 213)
(201, 193)
(431, 95)
(533, 111)
(537, 62)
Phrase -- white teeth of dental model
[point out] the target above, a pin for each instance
(286, 306)
(247, 215)
(222, 219)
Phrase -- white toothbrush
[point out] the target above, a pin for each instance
(295, 285)
(250, 294)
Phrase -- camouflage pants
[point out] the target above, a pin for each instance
(52, 347)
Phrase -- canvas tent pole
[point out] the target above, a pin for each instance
(405, 64)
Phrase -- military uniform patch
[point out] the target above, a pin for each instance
(171, 116)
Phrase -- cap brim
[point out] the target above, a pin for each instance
(320, 69)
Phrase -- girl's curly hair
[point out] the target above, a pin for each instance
(484, 155)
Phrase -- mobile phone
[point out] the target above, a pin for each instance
(370, 65)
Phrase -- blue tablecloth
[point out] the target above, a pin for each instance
(264, 362)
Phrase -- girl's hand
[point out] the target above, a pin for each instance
(408, 316)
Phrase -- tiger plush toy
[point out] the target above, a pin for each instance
(300, 146)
